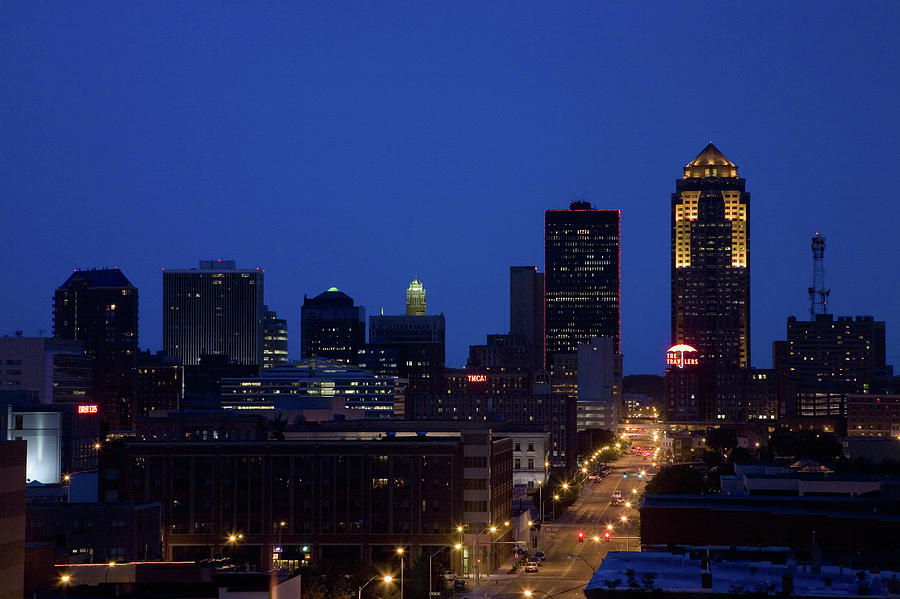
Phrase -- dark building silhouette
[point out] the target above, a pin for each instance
(99, 307)
(824, 360)
(158, 382)
(214, 310)
(420, 352)
(343, 490)
(12, 515)
(501, 351)
(202, 382)
(526, 309)
(581, 277)
(275, 340)
(101, 532)
(332, 327)
(710, 261)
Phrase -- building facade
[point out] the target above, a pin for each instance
(213, 310)
(711, 261)
(58, 369)
(275, 340)
(360, 390)
(97, 532)
(826, 359)
(62, 439)
(99, 307)
(873, 415)
(420, 351)
(341, 494)
(581, 277)
(12, 519)
(599, 373)
(526, 309)
(332, 327)
(158, 384)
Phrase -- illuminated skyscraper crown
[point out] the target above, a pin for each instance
(415, 298)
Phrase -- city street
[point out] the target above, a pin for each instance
(590, 514)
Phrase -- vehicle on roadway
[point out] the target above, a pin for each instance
(540, 555)
(531, 566)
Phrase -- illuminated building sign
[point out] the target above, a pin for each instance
(477, 378)
(87, 409)
(675, 356)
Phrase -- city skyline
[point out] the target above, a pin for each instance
(308, 157)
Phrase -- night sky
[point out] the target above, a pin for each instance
(361, 144)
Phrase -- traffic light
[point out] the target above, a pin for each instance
(624, 475)
(606, 536)
(581, 536)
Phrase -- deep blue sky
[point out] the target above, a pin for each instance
(360, 144)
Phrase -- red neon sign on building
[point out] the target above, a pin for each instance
(675, 356)
(477, 378)
(87, 409)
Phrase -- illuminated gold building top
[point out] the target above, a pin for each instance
(710, 163)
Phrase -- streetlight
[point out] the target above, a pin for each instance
(400, 551)
(233, 541)
(475, 540)
(386, 579)
(281, 526)
(541, 498)
(430, 575)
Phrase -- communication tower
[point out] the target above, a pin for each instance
(818, 295)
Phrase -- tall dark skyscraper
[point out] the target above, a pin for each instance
(214, 310)
(99, 307)
(711, 261)
(526, 309)
(581, 277)
(332, 327)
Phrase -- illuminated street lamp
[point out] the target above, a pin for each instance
(400, 551)
(430, 576)
(386, 579)
(624, 519)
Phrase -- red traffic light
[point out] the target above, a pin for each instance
(580, 536)
(606, 536)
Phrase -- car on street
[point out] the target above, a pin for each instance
(540, 555)
(531, 566)
(459, 586)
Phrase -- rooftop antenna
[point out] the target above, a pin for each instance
(818, 295)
